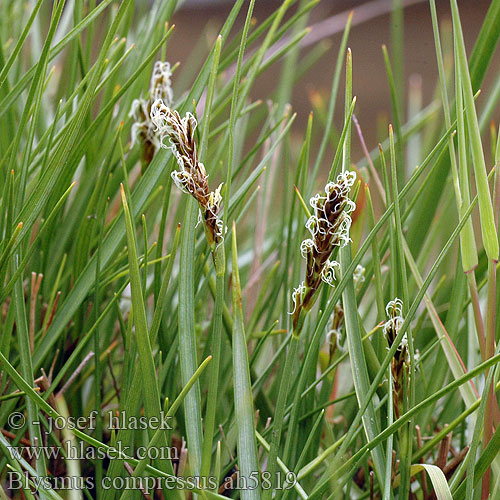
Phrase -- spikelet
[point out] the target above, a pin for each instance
(329, 226)
(400, 361)
(178, 134)
(143, 130)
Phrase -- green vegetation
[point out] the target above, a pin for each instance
(265, 316)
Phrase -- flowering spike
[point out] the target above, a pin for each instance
(178, 134)
(161, 84)
(143, 129)
(329, 226)
(400, 361)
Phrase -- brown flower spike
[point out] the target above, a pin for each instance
(192, 177)
(143, 130)
(329, 227)
(400, 361)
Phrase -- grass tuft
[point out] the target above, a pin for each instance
(181, 250)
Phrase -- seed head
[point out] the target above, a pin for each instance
(400, 361)
(161, 83)
(178, 134)
(143, 130)
(329, 226)
(395, 321)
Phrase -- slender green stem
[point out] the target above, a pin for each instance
(26, 366)
(187, 338)
(406, 437)
(490, 351)
(478, 317)
(243, 401)
(291, 360)
(389, 446)
(212, 400)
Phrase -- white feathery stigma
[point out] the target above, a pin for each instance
(392, 326)
(328, 272)
(297, 295)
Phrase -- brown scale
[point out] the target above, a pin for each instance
(159, 84)
(337, 322)
(398, 371)
(211, 225)
(148, 149)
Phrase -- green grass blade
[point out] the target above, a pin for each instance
(437, 478)
(219, 258)
(187, 338)
(150, 387)
(488, 228)
(243, 399)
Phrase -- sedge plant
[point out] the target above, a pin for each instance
(177, 322)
